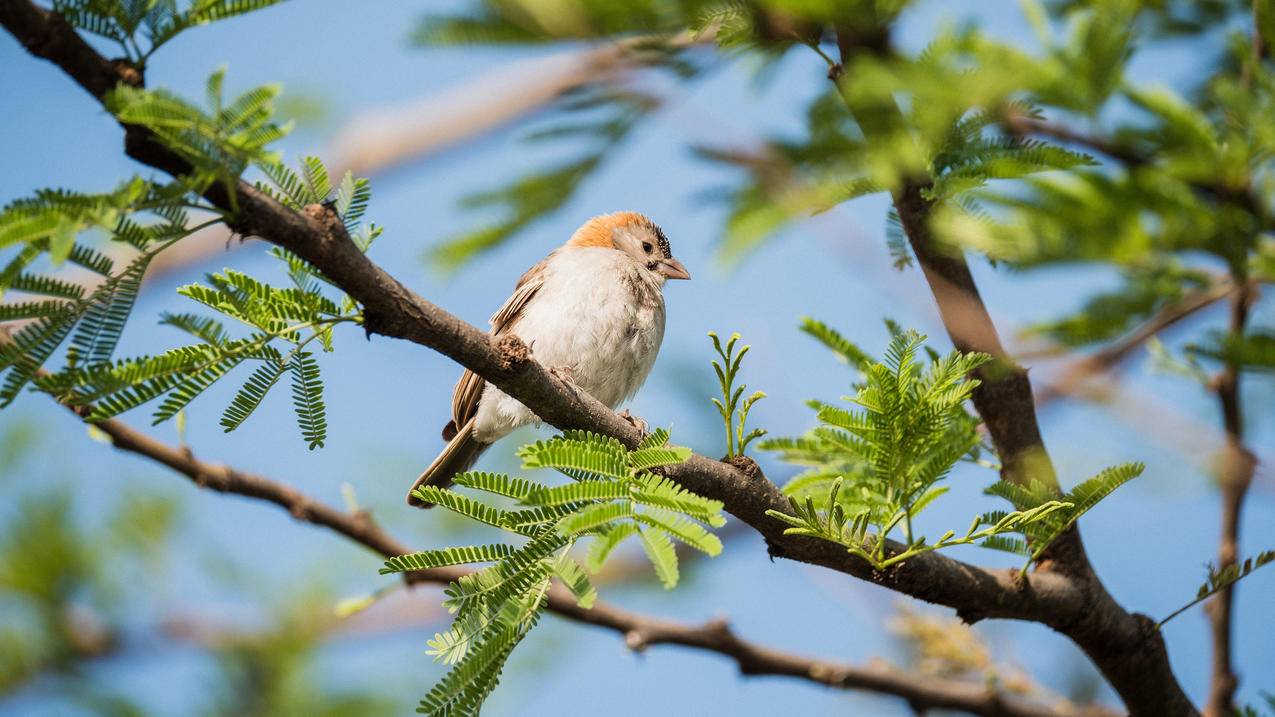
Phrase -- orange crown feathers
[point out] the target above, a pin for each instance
(598, 231)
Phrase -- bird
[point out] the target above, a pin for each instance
(592, 311)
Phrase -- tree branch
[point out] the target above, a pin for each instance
(390, 309)
(639, 631)
(1073, 377)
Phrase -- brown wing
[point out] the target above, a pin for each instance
(470, 386)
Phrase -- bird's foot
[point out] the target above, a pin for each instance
(636, 422)
(563, 374)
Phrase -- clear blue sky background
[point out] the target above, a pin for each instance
(387, 399)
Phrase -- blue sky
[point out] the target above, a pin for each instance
(387, 399)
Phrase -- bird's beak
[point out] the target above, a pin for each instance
(671, 268)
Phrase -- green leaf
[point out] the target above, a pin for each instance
(498, 483)
(587, 458)
(460, 504)
(576, 580)
(578, 492)
(1221, 578)
(427, 559)
(594, 517)
(648, 458)
(251, 394)
(687, 531)
(661, 492)
(659, 549)
(607, 540)
(307, 399)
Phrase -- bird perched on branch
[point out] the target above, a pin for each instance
(593, 310)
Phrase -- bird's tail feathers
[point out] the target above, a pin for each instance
(457, 457)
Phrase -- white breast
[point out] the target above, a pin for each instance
(598, 315)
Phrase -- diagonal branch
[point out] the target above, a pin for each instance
(390, 309)
(1073, 377)
(639, 631)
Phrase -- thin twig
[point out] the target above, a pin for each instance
(1072, 379)
(1235, 475)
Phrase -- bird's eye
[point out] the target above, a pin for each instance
(646, 247)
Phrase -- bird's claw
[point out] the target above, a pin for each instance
(636, 422)
(563, 374)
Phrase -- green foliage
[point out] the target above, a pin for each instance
(146, 217)
(729, 404)
(874, 469)
(156, 21)
(1221, 578)
(282, 322)
(1041, 534)
(613, 496)
(220, 142)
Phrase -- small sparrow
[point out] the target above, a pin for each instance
(592, 310)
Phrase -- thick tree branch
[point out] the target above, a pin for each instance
(391, 309)
(1127, 648)
(639, 631)
(1235, 475)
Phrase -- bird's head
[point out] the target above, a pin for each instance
(635, 235)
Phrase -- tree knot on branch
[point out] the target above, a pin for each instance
(635, 640)
(513, 352)
(745, 465)
(128, 73)
(326, 217)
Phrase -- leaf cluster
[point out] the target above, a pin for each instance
(282, 321)
(873, 468)
(219, 142)
(614, 495)
(46, 229)
(1038, 535)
